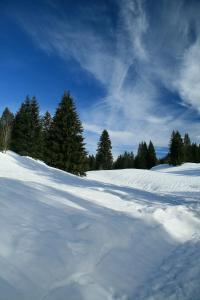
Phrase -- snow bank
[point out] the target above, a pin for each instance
(192, 169)
(127, 234)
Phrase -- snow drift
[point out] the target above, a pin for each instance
(124, 234)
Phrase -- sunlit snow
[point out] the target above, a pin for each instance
(115, 235)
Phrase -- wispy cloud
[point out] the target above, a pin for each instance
(188, 82)
(132, 59)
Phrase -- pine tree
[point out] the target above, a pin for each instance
(46, 122)
(21, 129)
(124, 161)
(176, 154)
(104, 158)
(187, 148)
(151, 156)
(199, 153)
(6, 124)
(36, 130)
(141, 158)
(128, 160)
(195, 158)
(91, 163)
(46, 125)
(26, 134)
(119, 162)
(164, 160)
(66, 148)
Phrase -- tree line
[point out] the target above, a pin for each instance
(145, 158)
(58, 141)
(182, 150)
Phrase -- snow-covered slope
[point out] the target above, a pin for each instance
(127, 234)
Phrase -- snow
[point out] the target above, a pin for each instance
(115, 235)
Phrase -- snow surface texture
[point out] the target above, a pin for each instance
(115, 235)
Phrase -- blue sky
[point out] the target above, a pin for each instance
(132, 66)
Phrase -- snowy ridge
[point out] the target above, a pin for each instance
(115, 235)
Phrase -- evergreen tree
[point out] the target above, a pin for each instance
(151, 156)
(142, 156)
(124, 161)
(21, 129)
(36, 130)
(176, 153)
(46, 122)
(129, 160)
(195, 158)
(187, 148)
(119, 162)
(91, 163)
(104, 158)
(26, 134)
(164, 160)
(6, 124)
(46, 125)
(66, 148)
(199, 153)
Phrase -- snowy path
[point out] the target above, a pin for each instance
(115, 235)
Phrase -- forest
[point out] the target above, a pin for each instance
(58, 140)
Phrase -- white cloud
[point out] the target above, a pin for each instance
(129, 61)
(135, 26)
(188, 82)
